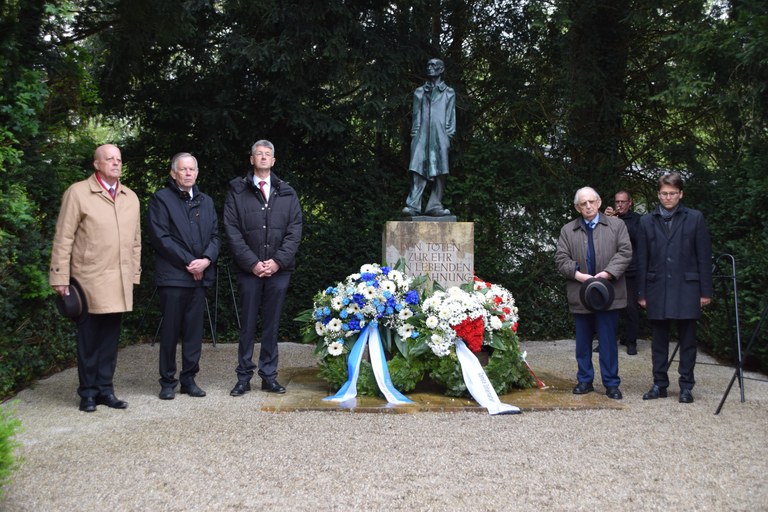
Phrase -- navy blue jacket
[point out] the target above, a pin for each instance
(258, 231)
(181, 230)
(674, 266)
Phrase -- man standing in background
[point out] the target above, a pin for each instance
(623, 210)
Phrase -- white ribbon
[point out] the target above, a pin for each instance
(378, 363)
(478, 384)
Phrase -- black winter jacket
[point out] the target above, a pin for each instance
(258, 231)
(181, 230)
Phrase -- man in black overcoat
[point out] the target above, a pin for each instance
(674, 264)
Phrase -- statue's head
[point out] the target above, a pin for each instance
(435, 68)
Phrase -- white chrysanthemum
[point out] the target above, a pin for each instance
(369, 269)
(353, 277)
(495, 323)
(334, 325)
(353, 308)
(397, 277)
(369, 292)
(335, 348)
(436, 339)
(336, 303)
(405, 314)
(455, 290)
(432, 322)
(320, 328)
(405, 331)
(388, 286)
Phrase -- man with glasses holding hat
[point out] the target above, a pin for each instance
(674, 264)
(593, 252)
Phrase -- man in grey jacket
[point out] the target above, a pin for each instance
(263, 222)
(594, 246)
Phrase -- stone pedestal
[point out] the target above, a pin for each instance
(443, 251)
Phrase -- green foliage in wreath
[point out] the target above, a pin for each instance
(505, 369)
(405, 374)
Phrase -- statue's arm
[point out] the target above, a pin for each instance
(450, 113)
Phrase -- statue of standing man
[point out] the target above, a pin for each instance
(434, 124)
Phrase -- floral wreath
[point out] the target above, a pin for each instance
(377, 297)
(419, 335)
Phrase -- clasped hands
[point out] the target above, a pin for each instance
(265, 268)
(581, 276)
(197, 268)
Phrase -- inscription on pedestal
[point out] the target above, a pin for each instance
(443, 251)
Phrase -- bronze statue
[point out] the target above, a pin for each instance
(434, 124)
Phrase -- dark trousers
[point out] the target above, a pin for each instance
(260, 296)
(605, 323)
(183, 310)
(97, 340)
(418, 184)
(631, 313)
(686, 332)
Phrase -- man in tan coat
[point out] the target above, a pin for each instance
(98, 242)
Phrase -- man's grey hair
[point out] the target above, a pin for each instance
(264, 144)
(179, 156)
(585, 189)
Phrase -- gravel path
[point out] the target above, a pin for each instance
(219, 453)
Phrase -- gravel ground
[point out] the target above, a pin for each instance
(219, 453)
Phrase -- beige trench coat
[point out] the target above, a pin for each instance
(98, 241)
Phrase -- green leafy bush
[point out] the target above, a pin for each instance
(9, 427)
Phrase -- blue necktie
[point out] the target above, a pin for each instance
(590, 249)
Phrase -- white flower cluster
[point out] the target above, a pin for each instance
(499, 301)
(446, 309)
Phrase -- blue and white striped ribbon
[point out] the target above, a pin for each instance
(378, 363)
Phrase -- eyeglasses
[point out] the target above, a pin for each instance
(668, 194)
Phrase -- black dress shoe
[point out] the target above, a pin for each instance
(655, 392)
(582, 388)
(613, 393)
(686, 397)
(240, 388)
(88, 404)
(111, 401)
(271, 386)
(192, 389)
(632, 349)
(167, 394)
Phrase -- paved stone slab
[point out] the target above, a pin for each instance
(306, 391)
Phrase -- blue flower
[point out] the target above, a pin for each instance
(412, 297)
(343, 313)
(385, 270)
